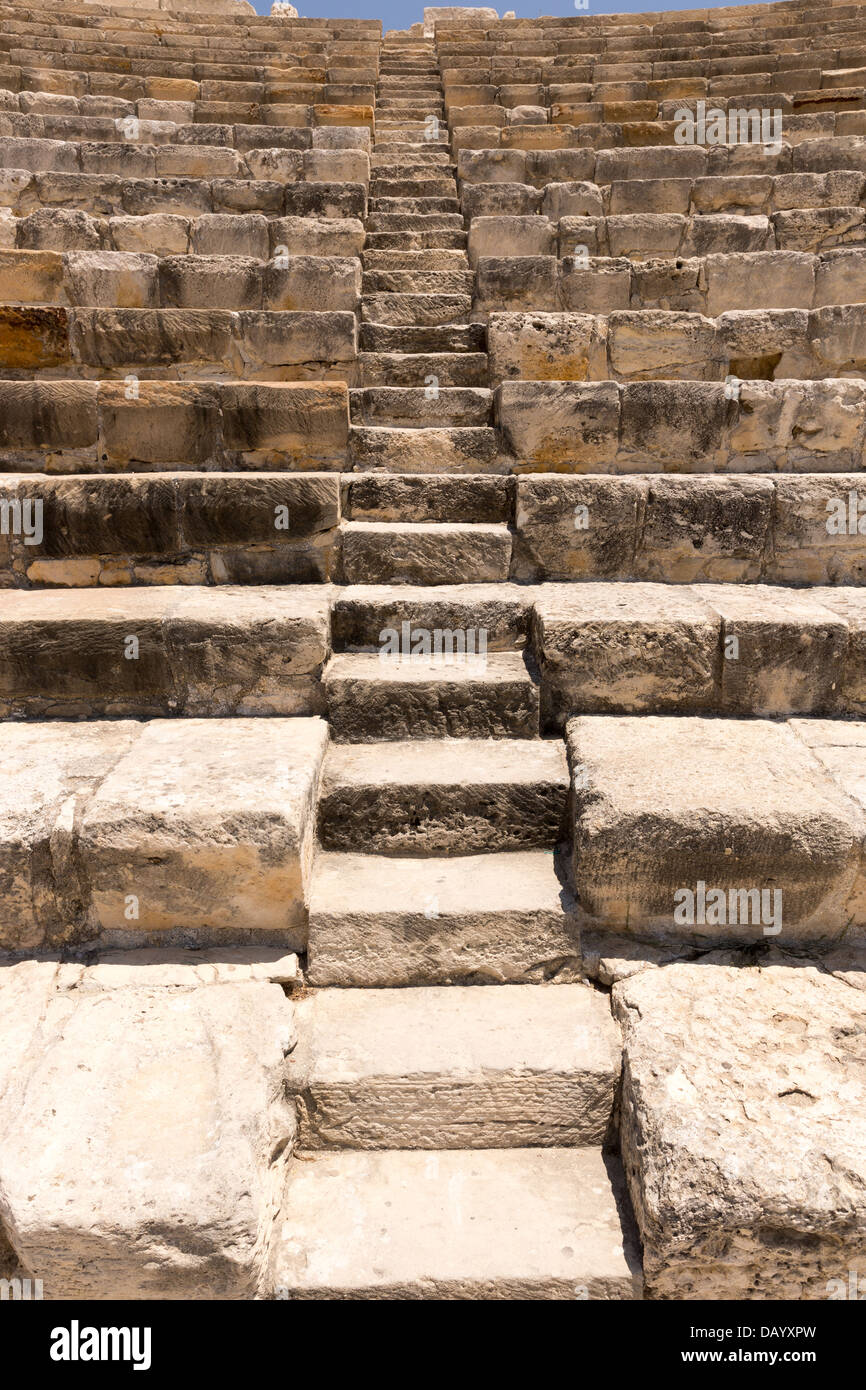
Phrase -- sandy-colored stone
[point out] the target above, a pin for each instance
(664, 805)
(529, 1223)
(742, 1130)
(143, 1136)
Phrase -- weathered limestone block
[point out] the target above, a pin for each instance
(705, 528)
(144, 1134)
(727, 233)
(230, 234)
(574, 198)
(783, 652)
(303, 423)
(318, 236)
(668, 284)
(488, 918)
(643, 235)
(54, 421)
(849, 605)
(816, 529)
(212, 835)
(31, 277)
(594, 286)
(510, 236)
(819, 229)
(651, 344)
(521, 282)
(366, 1206)
(812, 425)
(439, 1068)
(50, 768)
(769, 344)
(313, 282)
(742, 1130)
(182, 831)
(631, 647)
(577, 528)
(781, 280)
(403, 553)
(839, 277)
(498, 200)
(195, 651)
(663, 806)
(545, 347)
(210, 282)
(562, 425)
(159, 234)
(676, 424)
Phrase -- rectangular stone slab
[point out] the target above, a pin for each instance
(530, 1223)
(483, 918)
(443, 796)
(209, 827)
(153, 651)
(372, 698)
(629, 647)
(455, 1068)
(663, 805)
(143, 1136)
(743, 1129)
(181, 830)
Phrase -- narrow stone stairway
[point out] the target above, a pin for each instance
(442, 818)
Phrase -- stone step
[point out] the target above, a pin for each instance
(407, 407)
(197, 1223)
(443, 338)
(295, 193)
(121, 529)
(660, 345)
(530, 1224)
(205, 822)
(522, 1066)
(735, 649)
(388, 142)
(256, 344)
(709, 285)
(412, 109)
(152, 651)
(106, 279)
(423, 449)
(127, 160)
(324, 220)
(376, 698)
(433, 259)
(553, 222)
(63, 426)
(436, 239)
(414, 204)
(437, 160)
(409, 190)
(683, 426)
(361, 612)
(414, 310)
(450, 796)
(677, 171)
(404, 552)
(381, 922)
(414, 368)
(417, 282)
(666, 850)
(414, 222)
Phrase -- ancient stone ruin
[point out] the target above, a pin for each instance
(432, 653)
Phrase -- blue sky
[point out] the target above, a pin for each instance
(399, 14)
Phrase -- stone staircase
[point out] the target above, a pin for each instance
(432, 667)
